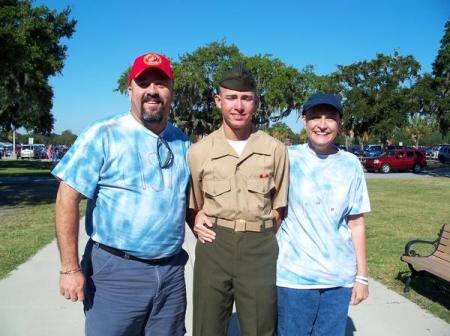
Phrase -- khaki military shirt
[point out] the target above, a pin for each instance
(226, 185)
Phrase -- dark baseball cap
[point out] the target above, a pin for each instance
(323, 99)
(238, 78)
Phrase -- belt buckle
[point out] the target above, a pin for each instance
(240, 225)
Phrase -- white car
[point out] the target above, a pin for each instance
(32, 151)
(27, 151)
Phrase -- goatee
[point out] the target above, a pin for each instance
(152, 117)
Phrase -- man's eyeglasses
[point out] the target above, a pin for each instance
(165, 152)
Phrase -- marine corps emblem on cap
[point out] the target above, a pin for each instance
(152, 59)
(147, 61)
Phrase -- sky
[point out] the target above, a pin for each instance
(110, 34)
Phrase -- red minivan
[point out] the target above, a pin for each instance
(398, 159)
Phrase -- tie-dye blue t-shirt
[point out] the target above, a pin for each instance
(316, 249)
(133, 204)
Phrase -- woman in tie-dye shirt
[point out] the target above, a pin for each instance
(322, 261)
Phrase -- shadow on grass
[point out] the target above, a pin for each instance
(437, 169)
(25, 164)
(27, 194)
(14, 168)
(433, 289)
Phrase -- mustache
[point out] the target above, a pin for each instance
(155, 98)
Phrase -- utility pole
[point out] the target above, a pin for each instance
(14, 154)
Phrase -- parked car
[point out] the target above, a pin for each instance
(444, 154)
(31, 151)
(392, 147)
(26, 151)
(428, 151)
(398, 159)
(40, 151)
(356, 150)
(8, 150)
(372, 150)
(435, 150)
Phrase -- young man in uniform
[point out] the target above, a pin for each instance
(239, 180)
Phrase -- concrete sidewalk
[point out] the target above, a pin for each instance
(30, 304)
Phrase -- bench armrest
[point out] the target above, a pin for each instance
(412, 253)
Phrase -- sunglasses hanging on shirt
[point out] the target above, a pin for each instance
(165, 154)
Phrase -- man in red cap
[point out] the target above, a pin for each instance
(132, 169)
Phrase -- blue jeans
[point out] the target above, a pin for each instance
(318, 312)
(128, 297)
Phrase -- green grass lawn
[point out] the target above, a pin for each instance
(24, 231)
(403, 210)
(27, 222)
(24, 168)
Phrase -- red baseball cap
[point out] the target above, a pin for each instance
(147, 61)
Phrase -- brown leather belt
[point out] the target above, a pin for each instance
(242, 225)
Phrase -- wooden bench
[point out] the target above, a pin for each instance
(435, 265)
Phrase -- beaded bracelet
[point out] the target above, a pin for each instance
(76, 270)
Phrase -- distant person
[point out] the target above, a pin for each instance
(132, 169)
(322, 262)
(49, 152)
(239, 179)
(55, 154)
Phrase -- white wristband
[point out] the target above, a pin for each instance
(361, 281)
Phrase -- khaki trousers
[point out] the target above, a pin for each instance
(240, 267)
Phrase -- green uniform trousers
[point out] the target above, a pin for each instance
(240, 267)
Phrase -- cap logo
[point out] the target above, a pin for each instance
(152, 59)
